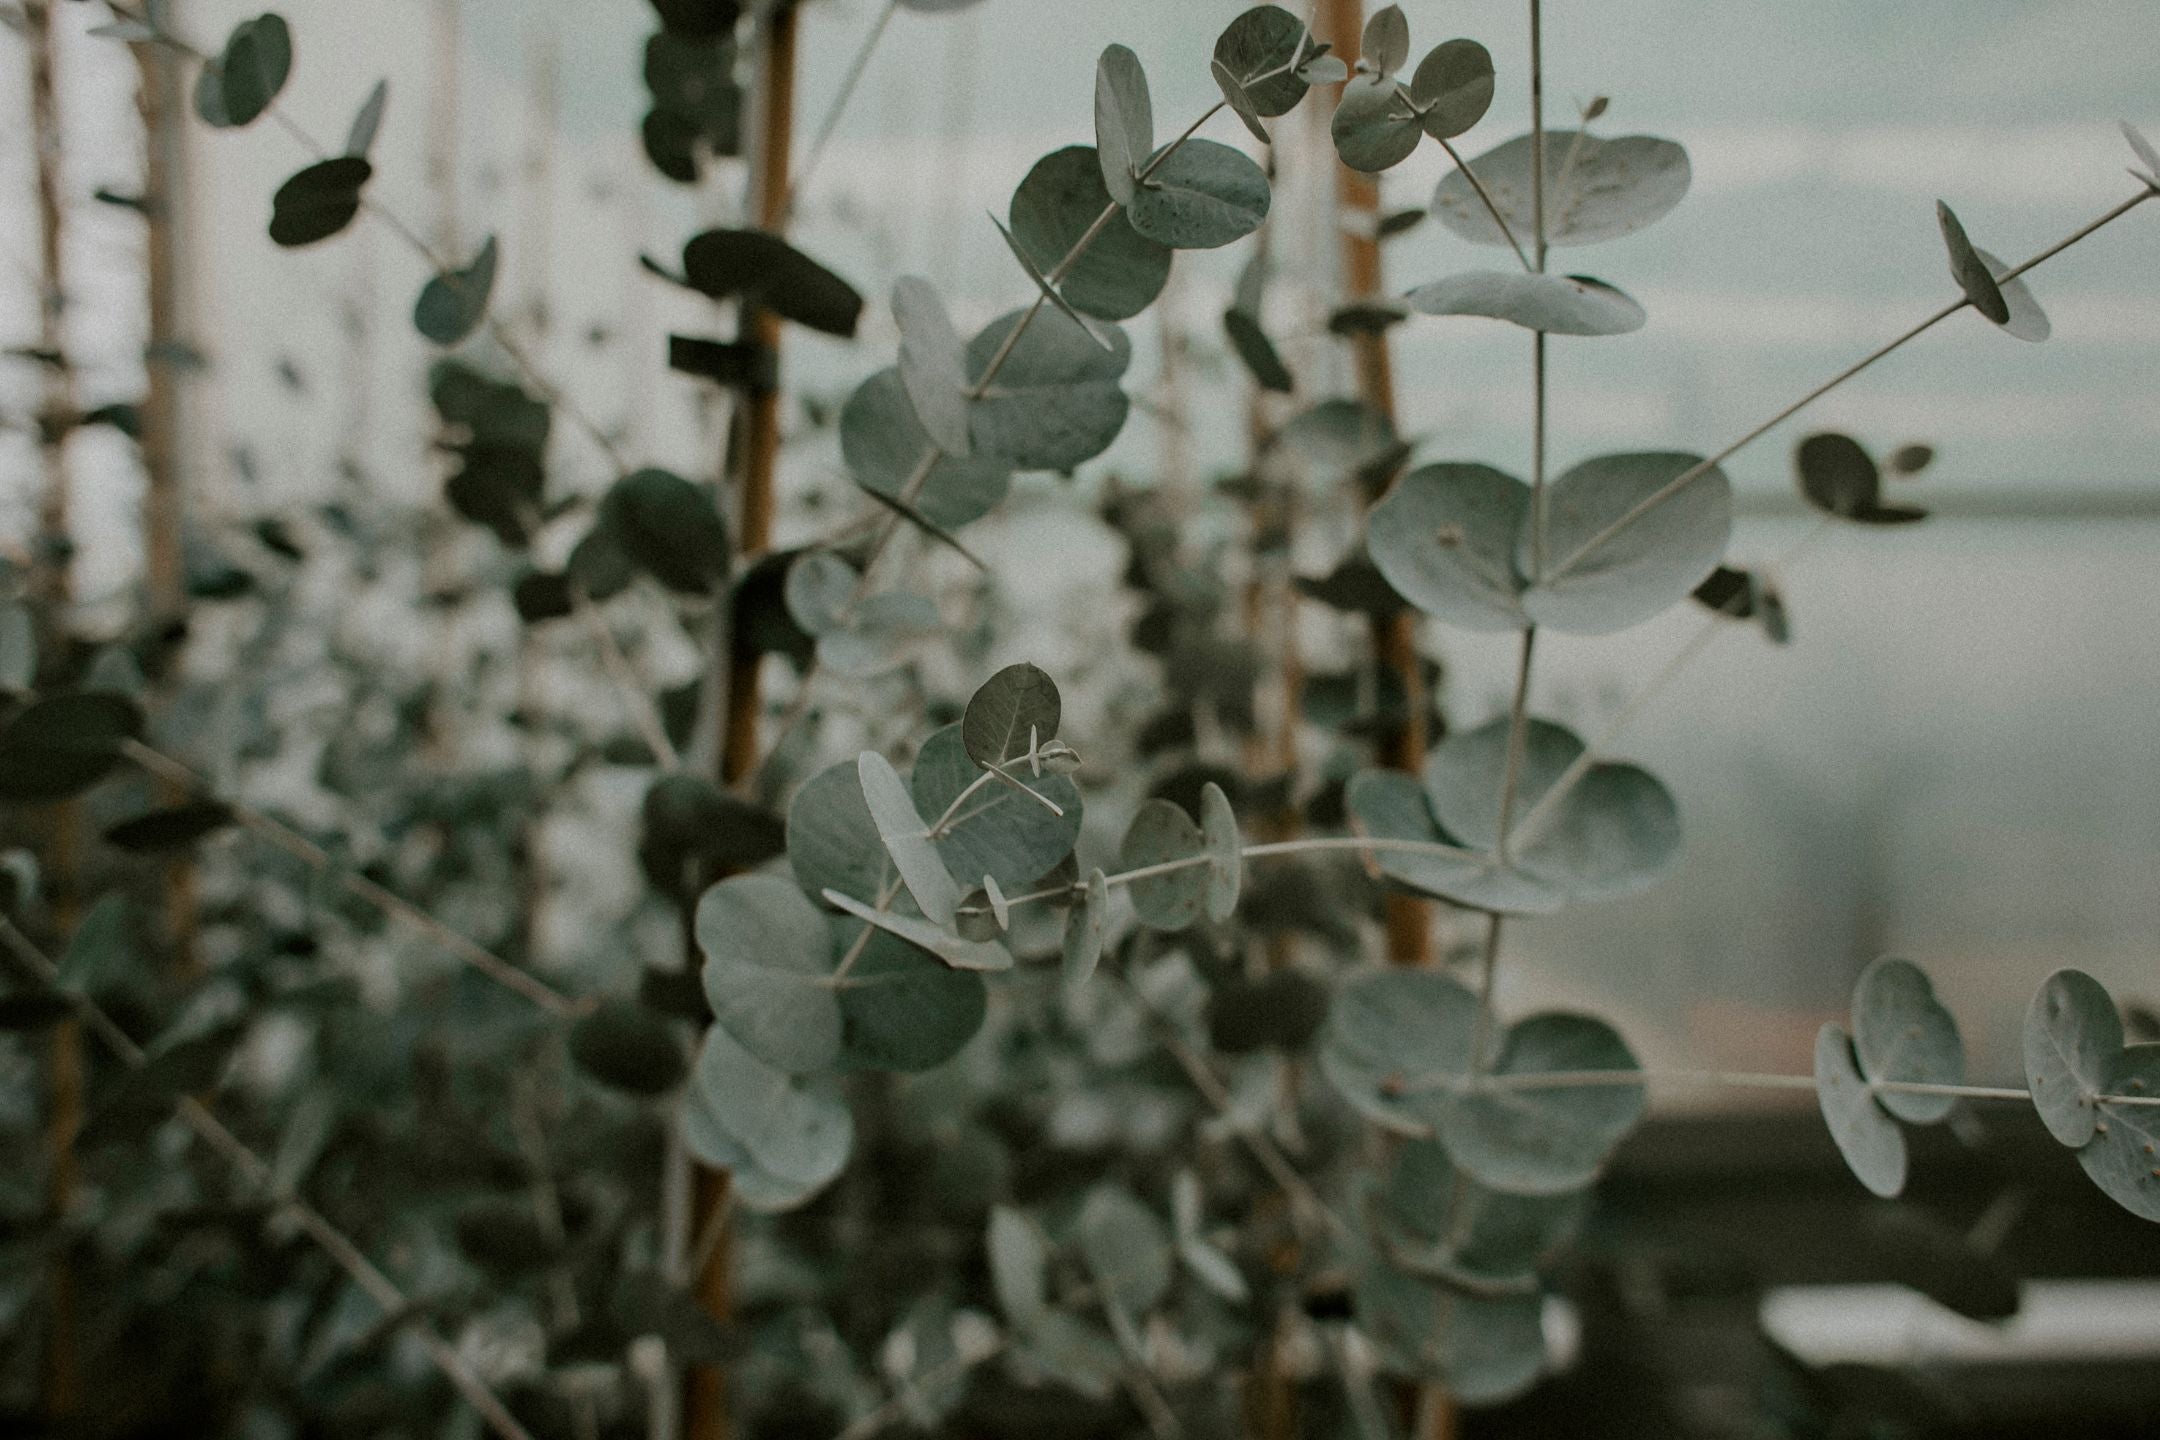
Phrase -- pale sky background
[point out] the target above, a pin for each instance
(1965, 736)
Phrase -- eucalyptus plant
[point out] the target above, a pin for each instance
(1024, 1118)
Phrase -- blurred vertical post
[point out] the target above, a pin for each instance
(753, 456)
(1342, 24)
(160, 97)
(50, 581)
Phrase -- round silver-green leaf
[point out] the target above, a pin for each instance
(883, 444)
(1121, 273)
(1014, 709)
(2121, 1156)
(1902, 1032)
(1549, 1140)
(1444, 538)
(1594, 189)
(1453, 87)
(1375, 126)
(1225, 852)
(796, 1129)
(1202, 197)
(1056, 402)
(1870, 1141)
(1006, 836)
(933, 364)
(1163, 834)
(906, 838)
(832, 843)
(1395, 1042)
(1617, 577)
(1555, 304)
(2072, 1038)
(903, 1009)
(768, 971)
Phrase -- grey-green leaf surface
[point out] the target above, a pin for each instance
(1083, 942)
(1249, 339)
(884, 445)
(817, 589)
(1969, 270)
(1444, 537)
(246, 77)
(1870, 1141)
(1019, 1267)
(1484, 1349)
(1594, 189)
(1005, 835)
(1550, 1140)
(2072, 1038)
(883, 633)
(1395, 1042)
(768, 971)
(1375, 127)
(1042, 283)
(1056, 402)
(974, 955)
(367, 121)
(1162, 833)
(1902, 1032)
(1127, 1249)
(1453, 1228)
(2027, 321)
(1202, 197)
(1121, 273)
(1838, 477)
(1017, 707)
(906, 838)
(1555, 304)
(832, 843)
(1124, 121)
(1453, 87)
(453, 303)
(1225, 852)
(901, 1008)
(1386, 46)
(18, 649)
(1388, 805)
(1257, 50)
(2123, 1156)
(1636, 572)
(798, 1130)
(100, 953)
(933, 364)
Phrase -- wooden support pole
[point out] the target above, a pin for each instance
(1409, 926)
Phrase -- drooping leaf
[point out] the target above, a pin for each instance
(1395, 1042)
(246, 77)
(1971, 272)
(1485, 1349)
(1249, 339)
(1162, 834)
(1902, 1032)
(1598, 579)
(1839, 477)
(1203, 196)
(62, 746)
(367, 121)
(2027, 320)
(906, 838)
(933, 364)
(962, 954)
(1083, 943)
(768, 971)
(2146, 154)
(796, 1132)
(1870, 1141)
(766, 271)
(452, 304)
(172, 827)
(884, 445)
(1445, 538)
(318, 201)
(2123, 1156)
(1121, 272)
(1551, 1140)
(1014, 709)
(1555, 304)
(2072, 1038)
(1225, 852)
(1594, 189)
(1124, 121)
(1453, 88)
(1056, 402)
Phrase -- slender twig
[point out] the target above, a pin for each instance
(1721, 1079)
(895, 1408)
(831, 123)
(1696, 471)
(511, 977)
(1492, 207)
(258, 1172)
(643, 713)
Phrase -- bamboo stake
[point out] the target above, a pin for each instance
(1358, 197)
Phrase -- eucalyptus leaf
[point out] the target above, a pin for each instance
(1444, 537)
(906, 838)
(1124, 121)
(1598, 580)
(1056, 402)
(1019, 1268)
(1870, 1141)
(884, 445)
(318, 201)
(2072, 1038)
(2147, 156)
(2123, 1156)
(1013, 710)
(1388, 805)
(1453, 88)
(1201, 196)
(1376, 127)
(1083, 943)
(2027, 320)
(817, 590)
(766, 271)
(768, 971)
(1902, 1032)
(998, 833)
(1048, 291)
(1225, 852)
(1839, 477)
(1971, 272)
(1386, 46)
(1594, 189)
(1395, 1043)
(901, 1008)
(1442, 1223)
(975, 955)
(1550, 1140)
(883, 633)
(1554, 304)
(933, 364)
(832, 843)
(1249, 339)
(367, 121)
(244, 79)
(1485, 1349)
(797, 1130)
(1161, 833)
(1259, 50)
(453, 303)
(1127, 1249)
(1121, 272)
(62, 746)
(102, 951)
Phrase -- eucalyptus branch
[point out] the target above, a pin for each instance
(831, 123)
(1492, 207)
(257, 1172)
(1684, 478)
(1529, 1081)
(501, 971)
(636, 698)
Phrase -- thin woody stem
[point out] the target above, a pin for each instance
(257, 1171)
(1492, 207)
(1727, 1079)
